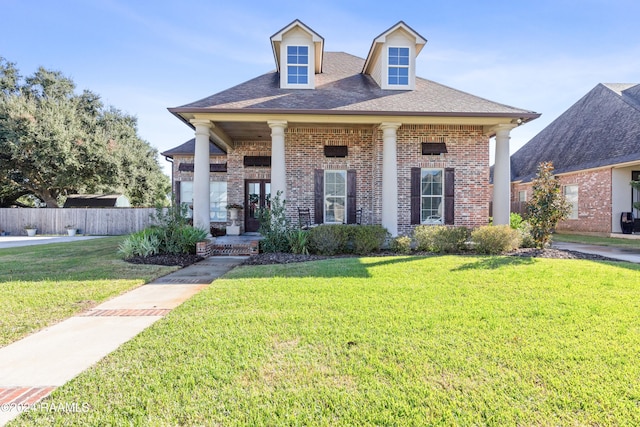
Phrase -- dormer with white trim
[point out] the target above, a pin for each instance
(298, 53)
(392, 58)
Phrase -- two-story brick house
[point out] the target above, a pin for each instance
(334, 133)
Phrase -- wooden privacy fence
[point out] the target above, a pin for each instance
(95, 221)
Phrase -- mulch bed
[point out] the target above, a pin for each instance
(182, 260)
(284, 258)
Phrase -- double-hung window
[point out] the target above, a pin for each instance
(571, 196)
(217, 198)
(432, 196)
(298, 65)
(398, 66)
(335, 196)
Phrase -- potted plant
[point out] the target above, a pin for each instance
(30, 229)
(71, 230)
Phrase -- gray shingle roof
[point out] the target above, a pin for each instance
(189, 148)
(601, 129)
(343, 88)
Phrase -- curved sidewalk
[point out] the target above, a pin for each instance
(629, 255)
(30, 369)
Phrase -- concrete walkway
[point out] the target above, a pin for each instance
(16, 241)
(30, 369)
(629, 255)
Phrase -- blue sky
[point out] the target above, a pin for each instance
(145, 56)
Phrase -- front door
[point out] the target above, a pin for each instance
(257, 195)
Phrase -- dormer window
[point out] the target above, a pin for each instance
(399, 66)
(298, 65)
(298, 53)
(392, 58)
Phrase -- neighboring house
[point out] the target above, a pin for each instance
(96, 201)
(595, 150)
(334, 133)
(182, 158)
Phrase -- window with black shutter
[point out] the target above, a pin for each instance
(432, 196)
(320, 205)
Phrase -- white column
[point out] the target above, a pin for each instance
(278, 167)
(502, 177)
(390, 177)
(201, 202)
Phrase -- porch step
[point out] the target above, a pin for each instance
(229, 246)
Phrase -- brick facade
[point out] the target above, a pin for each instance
(468, 154)
(594, 200)
(181, 175)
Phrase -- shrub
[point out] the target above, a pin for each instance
(547, 205)
(367, 238)
(441, 238)
(299, 242)
(275, 227)
(329, 239)
(333, 239)
(143, 243)
(515, 220)
(495, 239)
(401, 245)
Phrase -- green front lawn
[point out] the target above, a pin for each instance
(450, 340)
(43, 284)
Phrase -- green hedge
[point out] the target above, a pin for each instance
(346, 239)
(441, 238)
(495, 239)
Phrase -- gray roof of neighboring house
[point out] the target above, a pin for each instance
(96, 201)
(342, 88)
(189, 148)
(601, 129)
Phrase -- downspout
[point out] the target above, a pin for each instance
(173, 190)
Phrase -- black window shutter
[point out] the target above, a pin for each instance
(318, 196)
(449, 193)
(415, 195)
(176, 192)
(351, 197)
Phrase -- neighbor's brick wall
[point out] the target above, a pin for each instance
(594, 201)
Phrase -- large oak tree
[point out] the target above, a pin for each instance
(54, 142)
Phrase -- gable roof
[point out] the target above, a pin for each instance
(601, 129)
(189, 149)
(318, 43)
(379, 41)
(96, 201)
(342, 89)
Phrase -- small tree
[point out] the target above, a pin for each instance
(275, 227)
(547, 205)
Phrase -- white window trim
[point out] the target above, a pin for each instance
(221, 205)
(411, 73)
(575, 207)
(442, 204)
(520, 193)
(284, 69)
(324, 191)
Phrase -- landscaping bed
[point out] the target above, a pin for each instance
(287, 258)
